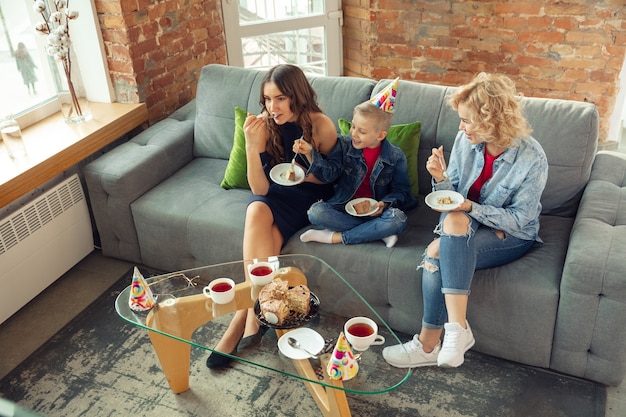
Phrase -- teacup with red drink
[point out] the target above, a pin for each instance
(261, 273)
(362, 332)
(220, 290)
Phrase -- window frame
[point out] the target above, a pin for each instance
(90, 61)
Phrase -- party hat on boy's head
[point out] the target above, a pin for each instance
(386, 99)
(141, 298)
(342, 364)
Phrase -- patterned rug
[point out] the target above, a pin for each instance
(98, 365)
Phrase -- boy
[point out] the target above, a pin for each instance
(365, 165)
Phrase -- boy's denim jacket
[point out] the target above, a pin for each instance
(510, 199)
(346, 165)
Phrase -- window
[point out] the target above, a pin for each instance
(264, 33)
(30, 77)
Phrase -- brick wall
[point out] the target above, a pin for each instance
(570, 49)
(155, 49)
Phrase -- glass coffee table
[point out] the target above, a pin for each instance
(184, 317)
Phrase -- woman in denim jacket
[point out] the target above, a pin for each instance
(501, 172)
(367, 165)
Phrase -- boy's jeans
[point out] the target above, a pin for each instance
(357, 229)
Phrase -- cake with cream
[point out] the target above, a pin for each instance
(278, 302)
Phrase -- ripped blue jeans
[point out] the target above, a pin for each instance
(353, 229)
(459, 257)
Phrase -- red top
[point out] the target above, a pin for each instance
(371, 156)
(487, 172)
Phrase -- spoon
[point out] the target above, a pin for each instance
(296, 345)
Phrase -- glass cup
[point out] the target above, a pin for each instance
(12, 137)
(362, 332)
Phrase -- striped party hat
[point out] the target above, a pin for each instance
(386, 98)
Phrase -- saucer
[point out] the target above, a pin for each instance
(431, 200)
(278, 172)
(308, 339)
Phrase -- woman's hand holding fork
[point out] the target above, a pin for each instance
(436, 165)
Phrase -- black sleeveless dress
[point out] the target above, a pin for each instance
(289, 204)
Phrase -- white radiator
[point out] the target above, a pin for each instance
(42, 241)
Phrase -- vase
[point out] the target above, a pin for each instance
(74, 104)
(74, 109)
(12, 136)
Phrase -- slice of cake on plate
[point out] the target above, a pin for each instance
(362, 207)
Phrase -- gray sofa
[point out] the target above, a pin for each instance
(157, 201)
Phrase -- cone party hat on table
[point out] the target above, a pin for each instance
(342, 364)
(141, 298)
(386, 99)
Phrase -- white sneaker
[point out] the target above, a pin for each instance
(410, 354)
(456, 341)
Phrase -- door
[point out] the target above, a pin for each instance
(264, 33)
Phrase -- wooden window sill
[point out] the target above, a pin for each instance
(54, 146)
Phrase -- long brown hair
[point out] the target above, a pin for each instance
(292, 83)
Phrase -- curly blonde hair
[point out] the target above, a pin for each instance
(495, 108)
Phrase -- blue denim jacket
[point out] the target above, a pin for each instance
(510, 200)
(346, 165)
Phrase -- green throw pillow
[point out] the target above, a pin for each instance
(407, 138)
(235, 174)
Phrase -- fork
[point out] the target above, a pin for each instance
(444, 168)
(293, 161)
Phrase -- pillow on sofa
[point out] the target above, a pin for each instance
(407, 138)
(236, 170)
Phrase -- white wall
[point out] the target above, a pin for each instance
(618, 118)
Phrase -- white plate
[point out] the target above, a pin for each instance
(308, 339)
(431, 200)
(278, 172)
(350, 208)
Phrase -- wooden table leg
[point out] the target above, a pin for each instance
(175, 358)
(180, 318)
(331, 402)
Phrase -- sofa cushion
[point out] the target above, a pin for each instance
(188, 220)
(407, 138)
(236, 175)
(214, 126)
(566, 130)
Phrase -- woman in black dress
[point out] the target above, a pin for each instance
(290, 116)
